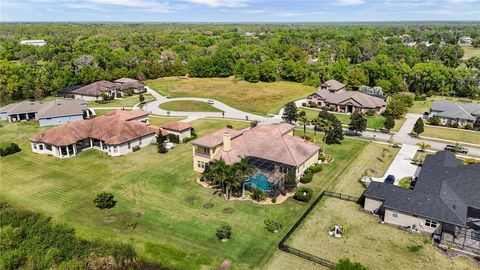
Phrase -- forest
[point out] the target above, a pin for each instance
(368, 54)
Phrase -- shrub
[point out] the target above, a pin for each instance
(306, 178)
(173, 138)
(253, 124)
(468, 127)
(346, 264)
(258, 195)
(316, 168)
(455, 125)
(9, 150)
(470, 160)
(128, 92)
(321, 157)
(291, 181)
(105, 200)
(136, 148)
(371, 112)
(303, 194)
(420, 98)
(274, 199)
(189, 139)
(312, 104)
(229, 126)
(224, 232)
(434, 121)
(273, 224)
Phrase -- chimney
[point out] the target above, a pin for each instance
(226, 142)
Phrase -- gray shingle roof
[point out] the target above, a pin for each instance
(48, 109)
(444, 190)
(452, 109)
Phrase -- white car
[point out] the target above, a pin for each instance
(210, 101)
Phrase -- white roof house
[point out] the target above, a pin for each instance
(34, 42)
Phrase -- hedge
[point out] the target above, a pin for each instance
(303, 194)
(11, 149)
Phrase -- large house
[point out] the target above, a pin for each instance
(96, 91)
(55, 112)
(180, 129)
(115, 133)
(272, 149)
(333, 95)
(450, 112)
(445, 202)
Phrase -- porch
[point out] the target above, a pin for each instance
(467, 238)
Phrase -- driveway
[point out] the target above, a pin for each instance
(401, 166)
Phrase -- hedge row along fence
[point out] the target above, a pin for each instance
(302, 254)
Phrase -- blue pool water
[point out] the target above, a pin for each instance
(259, 181)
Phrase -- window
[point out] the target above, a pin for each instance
(201, 164)
(394, 214)
(430, 223)
(48, 147)
(34, 146)
(115, 149)
(140, 141)
(129, 146)
(40, 147)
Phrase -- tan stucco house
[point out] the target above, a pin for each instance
(333, 96)
(272, 149)
(116, 133)
(444, 202)
(180, 129)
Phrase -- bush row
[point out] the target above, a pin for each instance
(11, 149)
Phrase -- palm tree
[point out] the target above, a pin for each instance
(217, 172)
(243, 170)
(325, 125)
(424, 146)
(303, 120)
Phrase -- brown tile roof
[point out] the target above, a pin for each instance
(268, 142)
(96, 89)
(354, 97)
(130, 85)
(176, 126)
(111, 129)
(128, 115)
(216, 138)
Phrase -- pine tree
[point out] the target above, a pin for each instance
(357, 122)
(418, 128)
(389, 123)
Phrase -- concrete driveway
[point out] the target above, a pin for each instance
(401, 166)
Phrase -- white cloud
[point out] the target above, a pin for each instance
(350, 2)
(220, 3)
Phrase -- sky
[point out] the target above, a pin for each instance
(239, 10)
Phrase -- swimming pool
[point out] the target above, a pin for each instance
(259, 181)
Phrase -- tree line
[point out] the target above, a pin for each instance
(356, 55)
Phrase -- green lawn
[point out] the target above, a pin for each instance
(160, 120)
(188, 106)
(124, 102)
(453, 134)
(157, 195)
(260, 98)
(470, 51)
(375, 245)
(374, 122)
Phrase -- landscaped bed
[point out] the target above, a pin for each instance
(123, 102)
(259, 98)
(375, 245)
(188, 106)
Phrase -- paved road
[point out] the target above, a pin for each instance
(229, 112)
(402, 136)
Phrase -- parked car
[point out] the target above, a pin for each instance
(456, 149)
(390, 179)
(210, 101)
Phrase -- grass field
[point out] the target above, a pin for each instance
(160, 120)
(375, 245)
(160, 208)
(260, 98)
(423, 106)
(125, 102)
(188, 106)
(470, 52)
(452, 134)
(374, 122)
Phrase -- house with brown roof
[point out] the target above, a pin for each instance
(48, 113)
(115, 133)
(130, 84)
(333, 96)
(96, 91)
(180, 129)
(272, 149)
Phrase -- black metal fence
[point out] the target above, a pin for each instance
(298, 252)
(341, 196)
